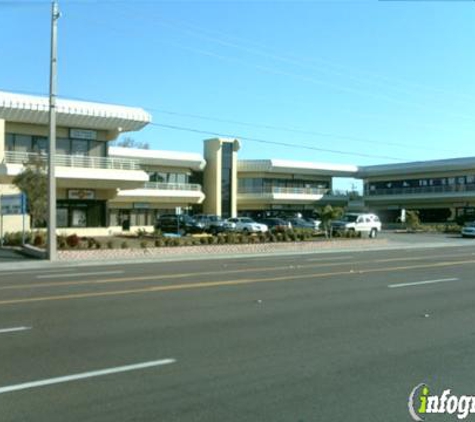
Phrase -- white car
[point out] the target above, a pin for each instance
(245, 225)
(359, 223)
(469, 229)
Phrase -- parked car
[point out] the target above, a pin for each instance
(300, 223)
(245, 225)
(181, 224)
(212, 223)
(316, 223)
(277, 225)
(359, 223)
(468, 229)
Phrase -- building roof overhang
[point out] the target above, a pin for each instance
(76, 114)
(186, 160)
(296, 167)
(418, 167)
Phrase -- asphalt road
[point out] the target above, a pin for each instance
(289, 339)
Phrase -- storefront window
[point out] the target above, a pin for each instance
(81, 213)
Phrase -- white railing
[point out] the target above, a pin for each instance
(422, 190)
(172, 186)
(284, 190)
(16, 157)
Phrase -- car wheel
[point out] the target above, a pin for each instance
(245, 231)
(373, 233)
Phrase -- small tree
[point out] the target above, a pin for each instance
(413, 221)
(327, 215)
(33, 182)
(128, 142)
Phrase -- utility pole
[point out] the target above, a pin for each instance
(51, 248)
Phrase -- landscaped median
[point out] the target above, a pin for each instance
(143, 245)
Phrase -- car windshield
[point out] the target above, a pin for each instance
(247, 220)
(350, 218)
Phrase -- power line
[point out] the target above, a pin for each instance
(298, 76)
(291, 130)
(260, 126)
(264, 51)
(265, 141)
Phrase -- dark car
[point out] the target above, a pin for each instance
(211, 223)
(181, 224)
(300, 223)
(277, 225)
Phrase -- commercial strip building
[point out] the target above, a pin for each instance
(103, 189)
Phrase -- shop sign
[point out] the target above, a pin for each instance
(141, 206)
(81, 194)
(87, 134)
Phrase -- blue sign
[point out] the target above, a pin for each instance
(13, 204)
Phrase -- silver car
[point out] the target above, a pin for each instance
(469, 229)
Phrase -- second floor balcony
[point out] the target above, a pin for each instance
(444, 191)
(160, 192)
(80, 171)
(277, 194)
(76, 161)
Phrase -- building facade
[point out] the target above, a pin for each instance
(440, 190)
(104, 189)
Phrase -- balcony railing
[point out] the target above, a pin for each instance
(173, 186)
(282, 190)
(77, 161)
(422, 190)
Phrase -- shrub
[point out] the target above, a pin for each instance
(141, 233)
(204, 241)
(98, 245)
(15, 238)
(124, 245)
(110, 244)
(39, 239)
(159, 243)
(143, 244)
(91, 242)
(61, 242)
(272, 238)
(213, 240)
(72, 240)
(231, 238)
(412, 220)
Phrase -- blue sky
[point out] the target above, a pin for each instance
(379, 81)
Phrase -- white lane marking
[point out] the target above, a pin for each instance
(78, 274)
(419, 283)
(13, 329)
(74, 377)
(336, 258)
(38, 270)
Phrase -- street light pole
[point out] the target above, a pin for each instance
(51, 247)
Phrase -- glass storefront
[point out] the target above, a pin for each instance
(81, 213)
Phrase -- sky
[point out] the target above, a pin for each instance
(349, 82)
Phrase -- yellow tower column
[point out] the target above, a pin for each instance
(220, 176)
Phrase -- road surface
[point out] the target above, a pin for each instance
(324, 337)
